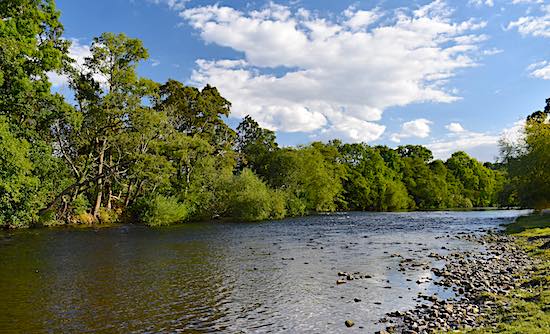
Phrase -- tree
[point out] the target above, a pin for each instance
(310, 180)
(198, 112)
(415, 151)
(369, 183)
(109, 98)
(528, 161)
(477, 182)
(254, 144)
(30, 47)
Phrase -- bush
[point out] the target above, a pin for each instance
(295, 206)
(106, 216)
(83, 218)
(80, 205)
(250, 199)
(161, 210)
(278, 204)
(49, 219)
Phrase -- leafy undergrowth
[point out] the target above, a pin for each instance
(527, 309)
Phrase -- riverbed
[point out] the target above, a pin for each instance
(265, 277)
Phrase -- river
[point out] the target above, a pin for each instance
(265, 277)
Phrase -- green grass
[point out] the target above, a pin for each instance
(528, 222)
(528, 310)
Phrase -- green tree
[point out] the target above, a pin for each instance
(31, 47)
(198, 112)
(18, 185)
(528, 161)
(254, 144)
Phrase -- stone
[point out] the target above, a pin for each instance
(349, 323)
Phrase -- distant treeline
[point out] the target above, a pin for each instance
(126, 148)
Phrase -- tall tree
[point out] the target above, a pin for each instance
(198, 112)
(30, 47)
(254, 144)
(528, 161)
(109, 95)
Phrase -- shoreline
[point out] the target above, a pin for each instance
(230, 220)
(490, 283)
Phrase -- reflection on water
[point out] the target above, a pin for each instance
(234, 278)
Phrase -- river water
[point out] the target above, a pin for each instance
(233, 278)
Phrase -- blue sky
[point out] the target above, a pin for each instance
(452, 75)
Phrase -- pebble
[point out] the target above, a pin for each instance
(497, 269)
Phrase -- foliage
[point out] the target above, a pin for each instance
(251, 199)
(528, 161)
(163, 153)
(19, 202)
(161, 210)
(254, 144)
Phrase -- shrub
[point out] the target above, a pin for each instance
(80, 205)
(106, 216)
(250, 199)
(84, 218)
(278, 204)
(295, 206)
(161, 210)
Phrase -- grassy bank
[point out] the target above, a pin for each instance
(527, 308)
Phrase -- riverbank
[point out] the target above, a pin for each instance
(91, 224)
(503, 288)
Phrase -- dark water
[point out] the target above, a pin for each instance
(232, 278)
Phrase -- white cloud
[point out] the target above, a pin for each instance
(172, 4)
(78, 52)
(482, 146)
(301, 72)
(540, 70)
(492, 52)
(359, 19)
(538, 26)
(454, 127)
(419, 128)
(516, 2)
(155, 62)
(478, 3)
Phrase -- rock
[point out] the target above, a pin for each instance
(357, 300)
(349, 323)
(498, 268)
(340, 281)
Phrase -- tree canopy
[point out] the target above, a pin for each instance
(126, 148)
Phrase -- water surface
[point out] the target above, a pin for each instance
(233, 278)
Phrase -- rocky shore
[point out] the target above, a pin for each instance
(477, 278)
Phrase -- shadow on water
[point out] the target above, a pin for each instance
(266, 277)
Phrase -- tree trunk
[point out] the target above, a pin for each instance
(109, 185)
(100, 180)
(129, 190)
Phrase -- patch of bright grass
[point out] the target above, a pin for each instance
(528, 222)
